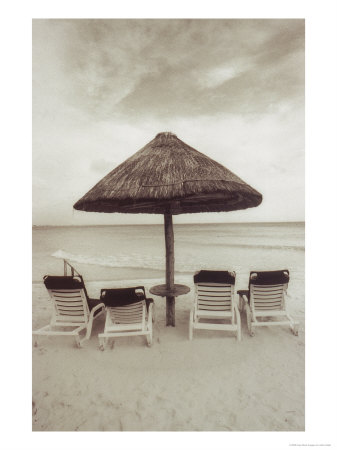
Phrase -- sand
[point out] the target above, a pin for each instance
(212, 383)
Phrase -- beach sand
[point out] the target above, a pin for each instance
(212, 383)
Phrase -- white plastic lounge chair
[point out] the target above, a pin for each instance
(214, 303)
(72, 308)
(128, 313)
(265, 299)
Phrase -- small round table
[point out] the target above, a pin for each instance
(162, 291)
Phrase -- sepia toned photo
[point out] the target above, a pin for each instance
(168, 234)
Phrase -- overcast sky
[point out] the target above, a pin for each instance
(232, 89)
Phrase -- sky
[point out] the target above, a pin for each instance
(102, 89)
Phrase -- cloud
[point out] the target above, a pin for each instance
(122, 67)
(218, 75)
(233, 89)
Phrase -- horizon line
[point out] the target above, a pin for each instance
(158, 224)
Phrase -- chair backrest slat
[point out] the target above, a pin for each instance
(126, 306)
(267, 307)
(267, 290)
(264, 293)
(217, 298)
(70, 313)
(70, 305)
(272, 289)
(214, 290)
(208, 307)
(69, 298)
(214, 297)
(127, 314)
(219, 289)
(267, 294)
(67, 294)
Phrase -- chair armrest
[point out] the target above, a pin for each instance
(149, 312)
(96, 308)
(243, 292)
(149, 302)
(92, 302)
(243, 298)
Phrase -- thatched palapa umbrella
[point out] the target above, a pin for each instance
(169, 177)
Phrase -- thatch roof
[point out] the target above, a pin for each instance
(169, 176)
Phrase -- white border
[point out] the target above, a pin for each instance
(321, 119)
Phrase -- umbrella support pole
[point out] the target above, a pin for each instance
(169, 245)
(170, 312)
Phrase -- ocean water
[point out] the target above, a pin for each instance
(132, 252)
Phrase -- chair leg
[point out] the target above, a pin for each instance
(149, 339)
(78, 341)
(294, 328)
(249, 320)
(241, 302)
(89, 328)
(150, 329)
(101, 341)
(293, 324)
(238, 322)
(190, 333)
